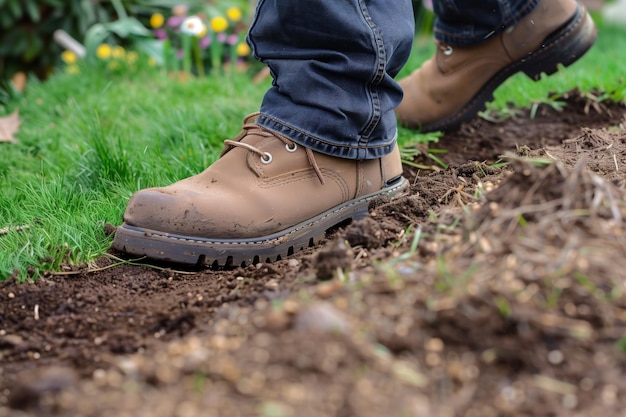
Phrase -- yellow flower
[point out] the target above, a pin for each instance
(132, 57)
(152, 62)
(69, 57)
(243, 49)
(113, 65)
(118, 52)
(219, 24)
(103, 51)
(72, 69)
(234, 14)
(157, 20)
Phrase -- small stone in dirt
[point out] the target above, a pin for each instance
(276, 320)
(10, 341)
(555, 357)
(34, 384)
(327, 289)
(321, 316)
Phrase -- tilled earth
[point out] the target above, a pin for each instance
(489, 290)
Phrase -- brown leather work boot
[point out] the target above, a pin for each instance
(454, 85)
(264, 199)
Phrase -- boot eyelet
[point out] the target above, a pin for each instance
(291, 148)
(266, 158)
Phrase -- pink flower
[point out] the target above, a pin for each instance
(221, 37)
(232, 40)
(175, 21)
(180, 10)
(160, 34)
(205, 42)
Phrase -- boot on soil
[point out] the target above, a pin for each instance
(264, 199)
(455, 84)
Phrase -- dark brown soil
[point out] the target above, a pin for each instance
(487, 291)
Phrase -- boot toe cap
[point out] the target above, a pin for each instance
(174, 213)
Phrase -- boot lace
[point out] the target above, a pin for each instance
(266, 157)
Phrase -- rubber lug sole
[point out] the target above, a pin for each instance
(564, 47)
(240, 252)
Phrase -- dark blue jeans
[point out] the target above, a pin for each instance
(333, 64)
(466, 22)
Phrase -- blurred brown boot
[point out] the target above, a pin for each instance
(264, 199)
(455, 84)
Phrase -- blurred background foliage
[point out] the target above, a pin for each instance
(27, 27)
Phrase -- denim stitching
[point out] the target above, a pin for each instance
(379, 73)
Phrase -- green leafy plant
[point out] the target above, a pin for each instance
(125, 27)
(27, 28)
(185, 40)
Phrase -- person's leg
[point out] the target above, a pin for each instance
(322, 147)
(333, 64)
(482, 43)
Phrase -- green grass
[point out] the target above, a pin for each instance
(88, 141)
